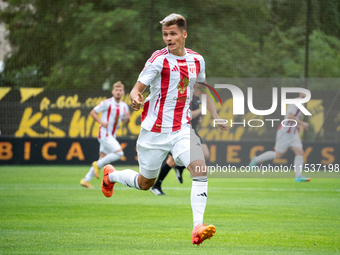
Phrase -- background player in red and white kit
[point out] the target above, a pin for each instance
(113, 112)
(288, 137)
(171, 74)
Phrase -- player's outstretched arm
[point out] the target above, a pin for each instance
(210, 105)
(136, 95)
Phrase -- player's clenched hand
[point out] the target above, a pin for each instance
(105, 124)
(137, 101)
(305, 125)
(222, 126)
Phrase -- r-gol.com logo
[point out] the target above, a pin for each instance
(238, 104)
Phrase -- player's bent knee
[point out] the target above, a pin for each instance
(198, 168)
(299, 153)
(145, 186)
(170, 161)
(279, 155)
(120, 153)
(144, 183)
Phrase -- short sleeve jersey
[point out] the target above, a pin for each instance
(288, 125)
(113, 113)
(171, 79)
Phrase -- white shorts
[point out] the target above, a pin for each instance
(108, 145)
(152, 148)
(286, 140)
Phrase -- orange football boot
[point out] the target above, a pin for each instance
(202, 232)
(107, 185)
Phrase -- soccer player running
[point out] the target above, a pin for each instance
(113, 112)
(288, 137)
(171, 74)
(170, 162)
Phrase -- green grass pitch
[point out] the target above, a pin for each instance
(44, 210)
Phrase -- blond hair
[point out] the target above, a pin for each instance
(174, 19)
(118, 84)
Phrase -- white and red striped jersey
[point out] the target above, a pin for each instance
(112, 112)
(171, 79)
(293, 109)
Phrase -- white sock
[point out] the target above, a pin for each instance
(126, 177)
(268, 155)
(89, 175)
(298, 162)
(109, 158)
(199, 193)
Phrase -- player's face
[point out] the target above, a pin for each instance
(302, 95)
(174, 38)
(118, 92)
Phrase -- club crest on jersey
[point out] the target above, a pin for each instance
(192, 68)
(183, 84)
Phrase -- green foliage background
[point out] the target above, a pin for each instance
(81, 44)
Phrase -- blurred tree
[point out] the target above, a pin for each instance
(329, 17)
(75, 43)
(227, 34)
(106, 45)
(82, 44)
(38, 30)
